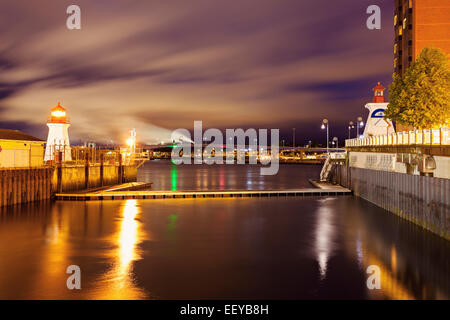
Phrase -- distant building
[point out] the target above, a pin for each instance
(58, 135)
(18, 149)
(376, 125)
(419, 24)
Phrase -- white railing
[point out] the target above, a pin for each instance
(427, 137)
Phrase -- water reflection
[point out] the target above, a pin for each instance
(265, 248)
(173, 177)
(119, 282)
(324, 236)
(165, 175)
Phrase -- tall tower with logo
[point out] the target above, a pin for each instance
(376, 124)
(58, 135)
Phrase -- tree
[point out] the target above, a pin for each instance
(421, 97)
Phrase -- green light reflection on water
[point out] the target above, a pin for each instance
(172, 220)
(173, 177)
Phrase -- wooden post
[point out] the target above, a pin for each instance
(101, 169)
(86, 171)
(30, 178)
(48, 174)
(120, 173)
(15, 183)
(20, 185)
(59, 177)
(2, 188)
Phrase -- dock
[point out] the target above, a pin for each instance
(123, 195)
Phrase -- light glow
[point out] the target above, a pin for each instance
(58, 114)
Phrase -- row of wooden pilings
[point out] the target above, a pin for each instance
(21, 185)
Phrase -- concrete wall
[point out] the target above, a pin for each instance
(390, 162)
(422, 200)
(24, 185)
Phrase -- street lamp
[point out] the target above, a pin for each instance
(350, 127)
(325, 125)
(359, 124)
(335, 139)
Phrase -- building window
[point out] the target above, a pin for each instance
(404, 23)
(409, 42)
(395, 48)
(410, 4)
(395, 62)
(409, 58)
(410, 26)
(400, 31)
(395, 20)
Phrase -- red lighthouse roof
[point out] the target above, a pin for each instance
(378, 93)
(58, 115)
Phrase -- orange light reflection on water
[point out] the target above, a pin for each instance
(118, 282)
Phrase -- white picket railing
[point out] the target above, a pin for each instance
(427, 137)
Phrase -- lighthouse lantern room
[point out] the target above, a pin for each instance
(58, 145)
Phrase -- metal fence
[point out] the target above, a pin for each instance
(426, 137)
(80, 155)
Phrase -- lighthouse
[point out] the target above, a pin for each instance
(58, 135)
(376, 124)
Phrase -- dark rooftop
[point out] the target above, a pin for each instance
(8, 134)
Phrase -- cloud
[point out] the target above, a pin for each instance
(157, 66)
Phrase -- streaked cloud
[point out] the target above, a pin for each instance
(160, 65)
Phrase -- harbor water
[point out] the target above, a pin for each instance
(238, 248)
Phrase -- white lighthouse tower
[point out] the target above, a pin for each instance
(376, 124)
(58, 135)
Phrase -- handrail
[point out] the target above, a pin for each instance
(426, 137)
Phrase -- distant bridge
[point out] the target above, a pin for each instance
(169, 147)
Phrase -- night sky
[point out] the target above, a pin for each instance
(160, 65)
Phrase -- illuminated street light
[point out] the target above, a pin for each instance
(359, 124)
(335, 139)
(325, 125)
(350, 127)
